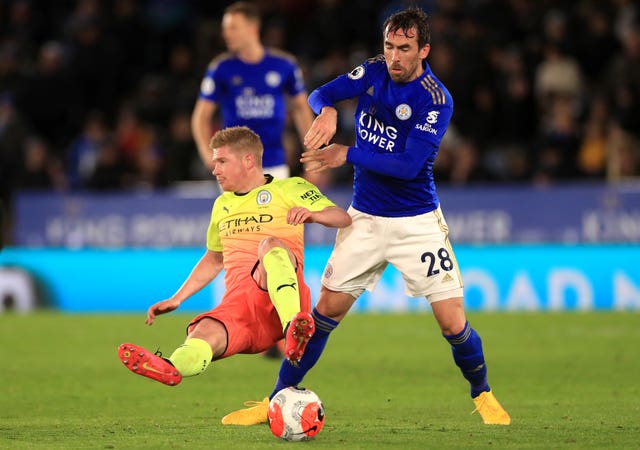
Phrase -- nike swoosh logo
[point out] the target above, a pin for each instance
(146, 366)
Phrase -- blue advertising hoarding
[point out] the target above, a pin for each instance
(500, 278)
(518, 214)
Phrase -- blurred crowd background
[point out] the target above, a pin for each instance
(96, 95)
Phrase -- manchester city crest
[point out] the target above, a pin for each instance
(263, 197)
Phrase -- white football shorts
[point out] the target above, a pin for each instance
(280, 172)
(417, 246)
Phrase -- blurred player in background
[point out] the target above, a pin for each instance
(256, 235)
(403, 112)
(253, 86)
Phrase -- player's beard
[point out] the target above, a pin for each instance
(404, 75)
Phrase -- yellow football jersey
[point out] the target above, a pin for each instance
(240, 222)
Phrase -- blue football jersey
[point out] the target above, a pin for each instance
(253, 95)
(399, 127)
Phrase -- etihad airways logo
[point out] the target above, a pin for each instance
(373, 131)
(244, 224)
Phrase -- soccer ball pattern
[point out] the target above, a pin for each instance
(295, 414)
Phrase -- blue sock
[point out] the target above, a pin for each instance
(466, 347)
(292, 376)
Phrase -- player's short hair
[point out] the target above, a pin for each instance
(249, 10)
(239, 138)
(406, 19)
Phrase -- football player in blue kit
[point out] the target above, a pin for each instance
(252, 86)
(402, 114)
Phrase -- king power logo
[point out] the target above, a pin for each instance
(252, 106)
(373, 131)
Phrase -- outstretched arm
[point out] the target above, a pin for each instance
(202, 273)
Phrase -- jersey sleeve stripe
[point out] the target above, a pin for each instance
(436, 98)
(436, 92)
(437, 87)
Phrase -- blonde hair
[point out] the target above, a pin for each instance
(239, 139)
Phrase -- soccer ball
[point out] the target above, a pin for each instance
(295, 414)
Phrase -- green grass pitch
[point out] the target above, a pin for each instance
(569, 380)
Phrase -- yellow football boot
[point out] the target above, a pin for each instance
(491, 411)
(254, 415)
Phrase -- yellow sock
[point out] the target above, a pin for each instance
(192, 357)
(282, 284)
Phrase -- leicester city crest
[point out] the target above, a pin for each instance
(403, 111)
(272, 79)
(263, 197)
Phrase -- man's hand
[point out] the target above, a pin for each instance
(322, 129)
(298, 215)
(162, 307)
(329, 157)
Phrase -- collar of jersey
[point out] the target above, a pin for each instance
(269, 180)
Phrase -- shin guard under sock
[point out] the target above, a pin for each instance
(282, 284)
(466, 348)
(192, 357)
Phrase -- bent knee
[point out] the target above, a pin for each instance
(334, 305)
(211, 330)
(268, 243)
(450, 315)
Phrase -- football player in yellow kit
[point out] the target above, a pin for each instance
(256, 235)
